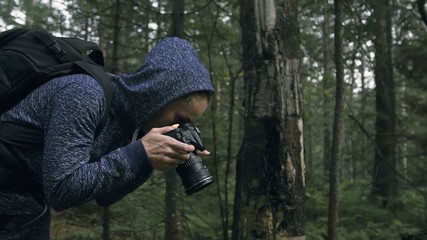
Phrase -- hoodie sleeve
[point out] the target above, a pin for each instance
(137, 158)
(69, 179)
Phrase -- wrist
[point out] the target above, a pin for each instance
(137, 158)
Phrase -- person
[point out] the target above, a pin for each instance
(75, 165)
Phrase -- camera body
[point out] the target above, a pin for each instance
(194, 175)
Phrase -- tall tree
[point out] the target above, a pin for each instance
(269, 201)
(384, 174)
(173, 221)
(106, 216)
(106, 213)
(334, 172)
(327, 85)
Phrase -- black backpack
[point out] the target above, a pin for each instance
(28, 59)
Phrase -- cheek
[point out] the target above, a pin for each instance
(159, 120)
(165, 119)
(201, 108)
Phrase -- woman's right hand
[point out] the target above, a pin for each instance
(165, 152)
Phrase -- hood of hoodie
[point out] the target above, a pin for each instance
(172, 69)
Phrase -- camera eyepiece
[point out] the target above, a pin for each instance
(194, 175)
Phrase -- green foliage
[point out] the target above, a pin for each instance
(213, 27)
(361, 218)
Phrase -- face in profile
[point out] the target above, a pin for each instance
(187, 109)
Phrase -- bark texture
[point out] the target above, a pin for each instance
(270, 194)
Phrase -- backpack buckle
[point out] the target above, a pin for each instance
(50, 42)
(54, 46)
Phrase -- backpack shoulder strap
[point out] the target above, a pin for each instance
(105, 82)
(93, 63)
(91, 49)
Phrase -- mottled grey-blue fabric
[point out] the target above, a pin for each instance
(74, 166)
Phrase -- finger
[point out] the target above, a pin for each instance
(163, 130)
(180, 156)
(203, 153)
(183, 147)
(181, 161)
(172, 151)
(183, 157)
(179, 146)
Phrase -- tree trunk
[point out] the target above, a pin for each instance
(326, 84)
(270, 196)
(334, 172)
(115, 51)
(384, 177)
(173, 221)
(106, 223)
(363, 117)
(178, 18)
(422, 10)
(106, 235)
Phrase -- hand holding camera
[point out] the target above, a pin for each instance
(179, 146)
(164, 152)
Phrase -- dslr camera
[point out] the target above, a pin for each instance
(194, 175)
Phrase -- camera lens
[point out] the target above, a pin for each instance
(194, 175)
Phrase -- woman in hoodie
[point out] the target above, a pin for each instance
(75, 165)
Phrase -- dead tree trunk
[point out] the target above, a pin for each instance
(270, 194)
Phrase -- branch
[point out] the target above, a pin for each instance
(361, 127)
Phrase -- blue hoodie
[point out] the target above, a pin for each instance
(74, 166)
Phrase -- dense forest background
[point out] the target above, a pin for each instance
(383, 194)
